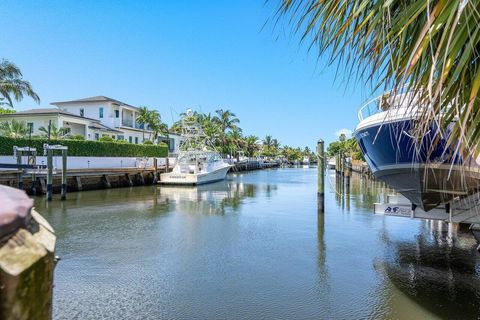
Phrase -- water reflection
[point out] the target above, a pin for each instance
(431, 272)
(440, 271)
(256, 246)
(210, 199)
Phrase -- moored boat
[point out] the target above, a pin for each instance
(425, 170)
(198, 162)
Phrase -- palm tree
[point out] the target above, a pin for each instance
(226, 121)
(14, 129)
(55, 133)
(427, 47)
(250, 145)
(12, 85)
(142, 118)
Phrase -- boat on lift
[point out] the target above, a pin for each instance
(425, 170)
(198, 162)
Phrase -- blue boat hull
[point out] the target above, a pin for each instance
(426, 177)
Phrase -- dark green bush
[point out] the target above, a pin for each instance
(147, 142)
(87, 148)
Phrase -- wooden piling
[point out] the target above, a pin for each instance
(49, 174)
(106, 181)
(20, 171)
(321, 175)
(78, 180)
(155, 172)
(129, 180)
(64, 175)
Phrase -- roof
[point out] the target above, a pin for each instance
(95, 99)
(102, 127)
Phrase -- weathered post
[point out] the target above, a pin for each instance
(321, 175)
(64, 175)
(155, 172)
(167, 164)
(20, 170)
(49, 173)
(27, 259)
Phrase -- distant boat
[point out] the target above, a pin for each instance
(198, 162)
(426, 177)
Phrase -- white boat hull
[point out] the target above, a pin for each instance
(194, 178)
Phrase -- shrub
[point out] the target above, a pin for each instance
(77, 137)
(106, 139)
(87, 148)
(147, 142)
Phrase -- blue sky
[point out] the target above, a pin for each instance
(171, 55)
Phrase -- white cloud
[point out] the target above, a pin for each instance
(345, 131)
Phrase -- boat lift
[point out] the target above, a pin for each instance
(464, 210)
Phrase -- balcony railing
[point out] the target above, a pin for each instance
(127, 123)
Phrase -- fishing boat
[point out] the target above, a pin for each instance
(197, 162)
(424, 169)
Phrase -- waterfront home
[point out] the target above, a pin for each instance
(93, 118)
(111, 113)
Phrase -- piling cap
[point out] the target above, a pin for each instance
(15, 207)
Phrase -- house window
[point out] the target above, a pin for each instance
(136, 140)
(120, 137)
(171, 144)
(130, 139)
(82, 112)
(117, 113)
(113, 137)
(100, 112)
(97, 136)
(30, 127)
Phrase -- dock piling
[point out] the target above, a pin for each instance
(64, 175)
(321, 175)
(49, 174)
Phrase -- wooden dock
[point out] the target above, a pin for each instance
(82, 179)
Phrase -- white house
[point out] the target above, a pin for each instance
(111, 113)
(90, 128)
(93, 118)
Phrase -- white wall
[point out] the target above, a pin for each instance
(89, 162)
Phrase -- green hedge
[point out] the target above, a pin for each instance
(88, 148)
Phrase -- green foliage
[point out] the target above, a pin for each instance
(77, 137)
(87, 148)
(13, 128)
(55, 133)
(347, 147)
(147, 142)
(106, 139)
(12, 84)
(429, 48)
(6, 111)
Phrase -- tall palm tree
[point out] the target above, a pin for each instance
(55, 133)
(12, 84)
(226, 121)
(14, 129)
(427, 47)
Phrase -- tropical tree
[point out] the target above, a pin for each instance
(429, 48)
(14, 129)
(12, 84)
(55, 133)
(226, 121)
(250, 145)
(143, 118)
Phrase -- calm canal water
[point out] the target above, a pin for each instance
(255, 247)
